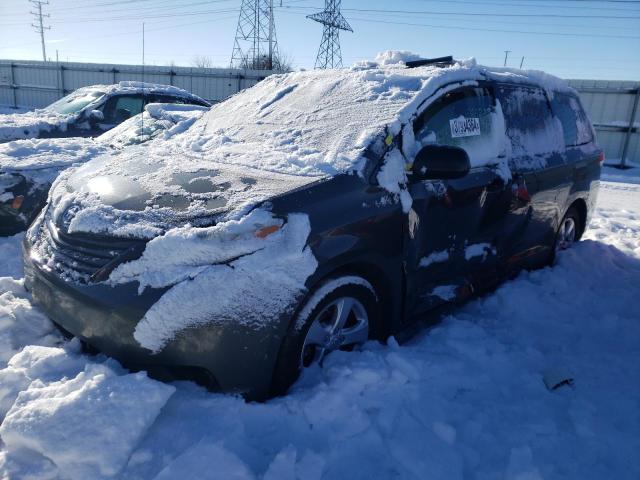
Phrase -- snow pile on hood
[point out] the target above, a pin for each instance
(163, 120)
(267, 274)
(30, 124)
(43, 153)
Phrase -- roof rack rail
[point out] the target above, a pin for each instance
(439, 62)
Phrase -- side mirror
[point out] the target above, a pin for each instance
(95, 116)
(440, 162)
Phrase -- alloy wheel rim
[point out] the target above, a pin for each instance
(567, 233)
(341, 324)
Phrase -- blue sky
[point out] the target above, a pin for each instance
(570, 38)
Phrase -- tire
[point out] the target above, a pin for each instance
(569, 231)
(313, 333)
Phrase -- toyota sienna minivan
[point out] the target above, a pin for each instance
(310, 213)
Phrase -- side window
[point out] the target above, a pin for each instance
(167, 99)
(575, 124)
(122, 107)
(530, 126)
(464, 118)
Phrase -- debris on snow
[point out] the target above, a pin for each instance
(555, 378)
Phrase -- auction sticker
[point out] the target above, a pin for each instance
(464, 127)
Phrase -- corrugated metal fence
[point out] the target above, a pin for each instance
(37, 84)
(613, 109)
(612, 105)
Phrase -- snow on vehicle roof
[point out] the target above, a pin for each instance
(167, 119)
(138, 87)
(318, 123)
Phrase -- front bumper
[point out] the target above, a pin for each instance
(241, 359)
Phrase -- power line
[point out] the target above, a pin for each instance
(39, 26)
(255, 45)
(477, 14)
(329, 53)
(478, 29)
(525, 4)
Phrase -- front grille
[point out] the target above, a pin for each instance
(86, 254)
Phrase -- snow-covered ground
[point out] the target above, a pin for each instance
(462, 400)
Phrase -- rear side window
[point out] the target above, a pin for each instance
(575, 124)
(164, 99)
(463, 118)
(530, 125)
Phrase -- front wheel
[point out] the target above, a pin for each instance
(339, 315)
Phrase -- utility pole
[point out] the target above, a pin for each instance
(329, 54)
(270, 65)
(506, 55)
(39, 26)
(256, 45)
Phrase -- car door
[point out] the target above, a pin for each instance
(538, 162)
(454, 226)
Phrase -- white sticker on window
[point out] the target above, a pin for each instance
(464, 127)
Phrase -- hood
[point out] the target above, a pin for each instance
(16, 126)
(142, 195)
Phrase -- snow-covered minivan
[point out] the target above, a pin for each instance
(91, 111)
(312, 212)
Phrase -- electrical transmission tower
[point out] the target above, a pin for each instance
(329, 54)
(39, 26)
(255, 46)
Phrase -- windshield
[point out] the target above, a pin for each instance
(306, 123)
(137, 129)
(74, 102)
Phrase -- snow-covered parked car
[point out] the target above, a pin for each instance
(312, 212)
(91, 111)
(29, 167)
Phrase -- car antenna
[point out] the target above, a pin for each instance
(438, 62)
(143, 104)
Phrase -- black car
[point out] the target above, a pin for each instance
(312, 212)
(91, 111)
(29, 167)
